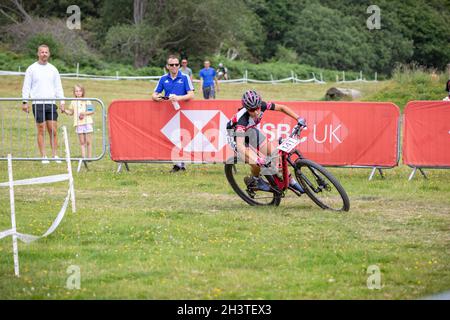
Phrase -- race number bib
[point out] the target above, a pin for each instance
(288, 145)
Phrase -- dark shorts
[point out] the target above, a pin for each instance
(253, 137)
(45, 112)
(209, 93)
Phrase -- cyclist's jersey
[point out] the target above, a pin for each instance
(241, 121)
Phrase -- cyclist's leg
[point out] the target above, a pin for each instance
(251, 153)
(265, 149)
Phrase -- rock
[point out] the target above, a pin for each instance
(342, 94)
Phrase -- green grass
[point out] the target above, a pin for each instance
(146, 234)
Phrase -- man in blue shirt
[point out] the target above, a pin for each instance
(177, 87)
(208, 78)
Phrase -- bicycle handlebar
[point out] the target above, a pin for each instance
(297, 130)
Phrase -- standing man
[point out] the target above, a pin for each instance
(177, 87)
(185, 69)
(208, 78)
(42, 81)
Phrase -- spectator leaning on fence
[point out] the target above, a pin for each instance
(177, 87)
(42, 81)
(208, 78)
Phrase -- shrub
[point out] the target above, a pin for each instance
(35, 41)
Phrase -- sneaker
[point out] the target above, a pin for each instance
(58, 161)
(176, 169)
(257, 183)
(45, 161)
(249, 181)
(262, 185)
(296, 186)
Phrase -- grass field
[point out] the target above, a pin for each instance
(146, 234)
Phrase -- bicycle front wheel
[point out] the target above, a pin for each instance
(236, 172)
(321, 186)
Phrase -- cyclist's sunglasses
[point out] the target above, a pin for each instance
(254, 109)
(173, 64)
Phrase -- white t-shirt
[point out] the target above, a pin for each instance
(42, 81)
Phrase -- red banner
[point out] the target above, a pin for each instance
(338, 133)
(426, 138)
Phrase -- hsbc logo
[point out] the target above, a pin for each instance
(205, 131)
(325, 132)
(197, 130)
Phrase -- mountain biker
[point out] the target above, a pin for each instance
(243, 128)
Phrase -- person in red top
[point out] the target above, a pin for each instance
(244, 129)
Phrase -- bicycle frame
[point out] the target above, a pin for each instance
(285, 159)
(315, 181)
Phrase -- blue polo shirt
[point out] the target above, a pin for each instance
(208, 77)
(179, 86)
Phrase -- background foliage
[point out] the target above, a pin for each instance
(321, 33)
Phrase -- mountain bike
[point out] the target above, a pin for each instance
(317, 182)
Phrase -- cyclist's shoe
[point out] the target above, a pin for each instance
(296, 186)
(256, 183)
(249, 181)
(262, 185)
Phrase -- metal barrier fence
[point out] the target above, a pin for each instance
(245, 79)
(19, 133)
(132, 121)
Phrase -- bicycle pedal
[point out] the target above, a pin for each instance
(277, 191)
(298, 194)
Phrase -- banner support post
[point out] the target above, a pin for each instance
(414, 172)
(119, 168)
(373, 173)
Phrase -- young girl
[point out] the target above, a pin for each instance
(82, 112)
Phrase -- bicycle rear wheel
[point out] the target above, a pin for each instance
(235, 171)
(321, 186)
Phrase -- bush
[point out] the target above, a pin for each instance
(280, 70)
(287, 55)
(35, 41)
(412, 82)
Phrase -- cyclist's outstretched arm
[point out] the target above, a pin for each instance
(286, 110)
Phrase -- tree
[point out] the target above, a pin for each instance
(164, 26)
(327, 38)
(14, 10)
